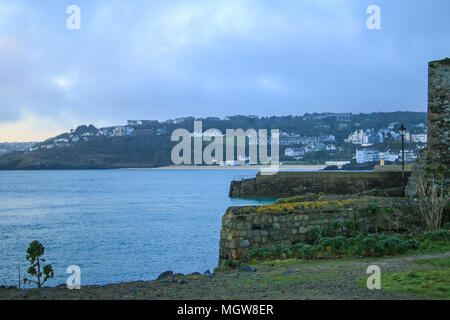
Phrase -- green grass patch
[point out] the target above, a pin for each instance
(279, 278)
(436, 262)
(430, 284)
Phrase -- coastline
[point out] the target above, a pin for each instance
(255, 167)
(273, 280)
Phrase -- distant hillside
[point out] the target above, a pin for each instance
(8, 147)
(147, 143)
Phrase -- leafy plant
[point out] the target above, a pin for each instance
(229, 263)
(304, 251)
(259, 254)
(350, 227)
(373, 208)
(282, 251)
(314, 235)
(373, 244)
(440, 235)
(389, 209)
(337, 245)
(42, 273)
(336, 226)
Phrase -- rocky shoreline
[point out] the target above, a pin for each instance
(280, 280)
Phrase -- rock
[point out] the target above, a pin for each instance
(245, 275)
(178, 281)
(165, 274)
(288, 272)
(246, 269)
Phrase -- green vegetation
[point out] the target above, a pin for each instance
(278, 278)
(34, 255)
(370, 245)
(436, 262)
(301, 198)
(433, 284)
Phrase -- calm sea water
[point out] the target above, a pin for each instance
(116, 225)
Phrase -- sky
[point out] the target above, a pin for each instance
(146, 59)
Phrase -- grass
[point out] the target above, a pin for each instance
(434, 284)
(279, 278)
(436, 262)
(431, 284)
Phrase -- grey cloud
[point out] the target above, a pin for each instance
(155, 59)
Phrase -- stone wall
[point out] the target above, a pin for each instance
(288, 184)
(437, 151)
(251, 227)
(439, 112)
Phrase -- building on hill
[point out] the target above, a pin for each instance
(363, 156)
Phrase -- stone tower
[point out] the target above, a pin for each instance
(438, 148)
(438, 151)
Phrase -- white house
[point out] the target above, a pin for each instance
(363, 156)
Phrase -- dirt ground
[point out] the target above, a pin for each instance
(341, 279)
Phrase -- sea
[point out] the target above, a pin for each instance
(115, 225)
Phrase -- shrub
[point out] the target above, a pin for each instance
(433, 193)
(350, 226)
(336, 245)
(440, 235)
(34, 255)
(282, 251)
(412, 244)
(380, 244)
(313, 235)
(333, 229)
(229, 263)
(374, 244)
(373, 208)
(336, 226)
(259, 254)
(305, 251)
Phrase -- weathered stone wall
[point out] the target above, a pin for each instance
(288, 184)
(251, 227)
(439, 112)
(437, 151)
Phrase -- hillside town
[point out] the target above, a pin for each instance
(8, 147)
(369, 144)
(359, 145)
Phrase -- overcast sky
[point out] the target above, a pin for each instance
(167, 59)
